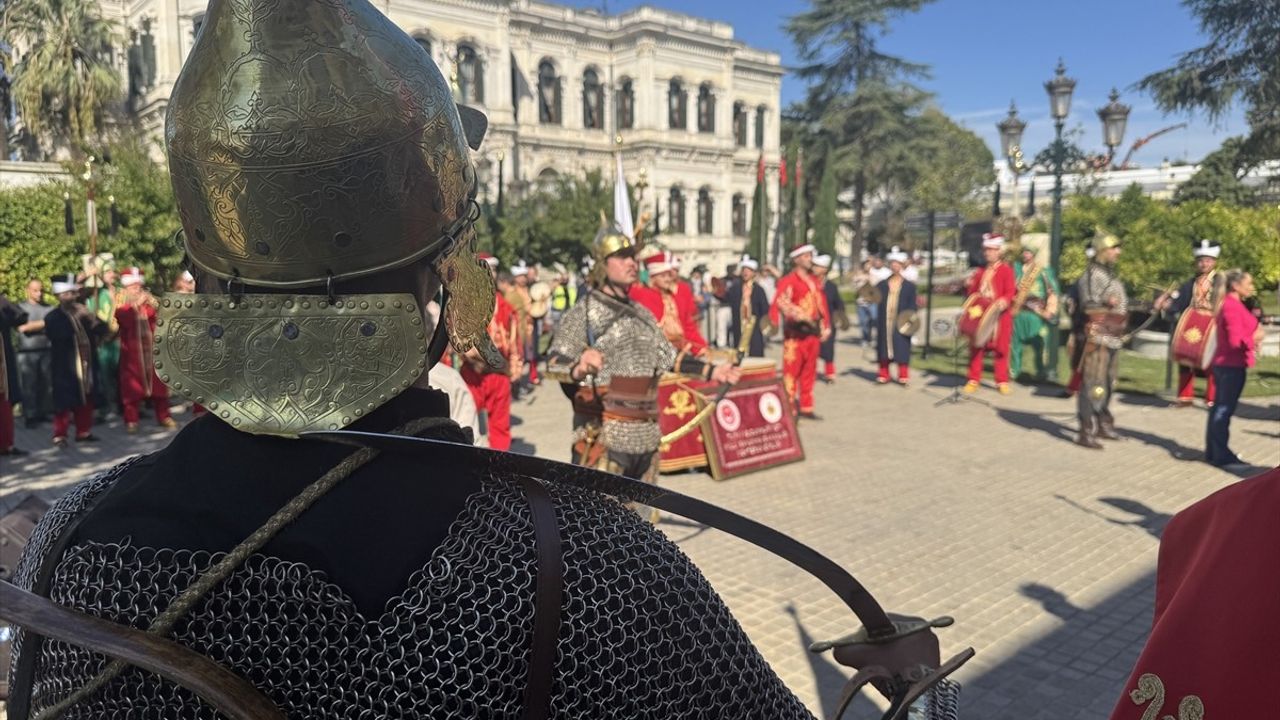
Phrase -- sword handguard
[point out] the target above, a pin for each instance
(902, 664)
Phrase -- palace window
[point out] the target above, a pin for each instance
(548, 94)
(705, 209)
(739, 215)
(706, 109)
(675, 211)
(592, 101)
(626, 105)
(470, 76)
(676, 105)
(760, 127)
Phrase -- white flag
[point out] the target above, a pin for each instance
(621, 204)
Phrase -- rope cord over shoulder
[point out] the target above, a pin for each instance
(187, 599)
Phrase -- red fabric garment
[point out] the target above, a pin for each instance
(84, 422)
(1236, 326)
(1187, 383)
(492, 393)
(800, 371)
(682, 330)
(133, 409)
(995, 281)
(1214, 635)
(502, 327)
(799, 297)
(6, 423)
(138, 377)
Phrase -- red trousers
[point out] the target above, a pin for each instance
(1187, 384)
(492, 393)
(83, 417)
(904, 371)
(828, 369)
(1000, 353)
(800, 370)
(6, 422)
(161, 405)
(1077, 377)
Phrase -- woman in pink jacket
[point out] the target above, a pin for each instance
(1238, 336)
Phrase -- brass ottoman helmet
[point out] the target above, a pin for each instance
(311, 142)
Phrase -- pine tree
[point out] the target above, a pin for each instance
(825, 221)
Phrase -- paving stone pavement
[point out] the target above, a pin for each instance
(1044, 552)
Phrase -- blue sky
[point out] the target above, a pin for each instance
(983, 53)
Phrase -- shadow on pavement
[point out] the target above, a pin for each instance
(1039, 421)
(669, 522)
(521, 446)
(1078, 670)
(1176, 450)
(829, 677)
(861, 374)
(1146, 518)
(1142, 399)
(1053, 601)
(1249, 411)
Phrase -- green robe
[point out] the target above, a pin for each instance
(1030, 328)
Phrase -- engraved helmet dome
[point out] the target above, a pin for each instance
(314, 139)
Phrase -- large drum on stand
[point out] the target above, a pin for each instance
(979, 319)
(1195, 339)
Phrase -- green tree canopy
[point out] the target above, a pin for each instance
(825, 221)
(1240, 64)
(954, 166)
(555, 223)
(859, 95)
(64, 83)
(1219, 177)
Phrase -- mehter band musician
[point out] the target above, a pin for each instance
(747, 299)
(835, 308)
(1106, 308)
(671, 302)
(1196, 305)
(136, 320)
(985, 315)
(74, 333)
(491, 387)
(896, 320)
(800, 309)
(1035, 308)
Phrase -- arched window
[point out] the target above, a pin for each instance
(705, 209)
(592, 100)
(675, 211)
(706, 109)
(424, 42)
(470, 76)
(739, 124)
(547, 179)
(548, 94)
(739, 215)
(676, 105)
(626, 105)
(760, 126)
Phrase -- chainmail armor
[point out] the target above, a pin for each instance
(633, 346)
(46, 533)
(642, 635)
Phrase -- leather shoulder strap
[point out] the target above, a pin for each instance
(548, 595)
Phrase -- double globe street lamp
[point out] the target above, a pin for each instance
(1114, 117)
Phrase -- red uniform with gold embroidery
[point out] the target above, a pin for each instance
(1212, 649)
(995, 281)
(138, 379)
(801, 308)
(1203, 292)
(492, 390)
(676, 313)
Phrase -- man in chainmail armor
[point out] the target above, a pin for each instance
(611, 352)
(323, 181)
(1106, 309)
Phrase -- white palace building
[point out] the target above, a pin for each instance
(694, 107)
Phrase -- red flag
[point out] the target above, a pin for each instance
(782, 171)
(760, 172)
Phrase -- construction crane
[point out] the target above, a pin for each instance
(1144, 140)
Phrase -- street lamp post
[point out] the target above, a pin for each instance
(1011, 145)
(1059, 89)
(1114, 116)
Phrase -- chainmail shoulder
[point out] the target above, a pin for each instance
(642, 635)
(68, 508)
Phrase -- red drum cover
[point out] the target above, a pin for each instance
(1195, 339)
(979, 318)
